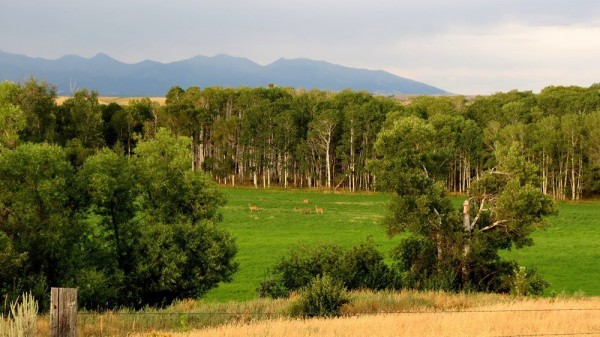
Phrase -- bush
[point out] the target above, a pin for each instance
(365, 269)
(305, 263)
(272, 288)
(361, 267)
(22, 319)
(525, 282)
(323, 297)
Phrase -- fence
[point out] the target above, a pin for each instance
(66, 321)
(106, 324)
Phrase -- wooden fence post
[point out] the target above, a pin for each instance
(63, 312)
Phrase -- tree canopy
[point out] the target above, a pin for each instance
(133, 231)
(446, 248)
(293, 137)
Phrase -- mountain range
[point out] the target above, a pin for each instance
(111, 77)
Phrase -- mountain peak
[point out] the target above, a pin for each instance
(102, 56)
(149, 78)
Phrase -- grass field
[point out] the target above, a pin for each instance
(406, 313)
(567, 254)
(265, 236)
(520, 318)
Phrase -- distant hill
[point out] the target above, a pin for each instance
(149, 78)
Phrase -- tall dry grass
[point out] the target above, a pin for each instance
(508, 317)
(182, 316)
(21, 322)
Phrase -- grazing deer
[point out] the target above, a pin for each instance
(305, 201)
(253, 208)
(319, 210)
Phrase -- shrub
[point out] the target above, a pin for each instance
(365, 269)
(21, 322)
(273, 288)
(323, 297)
(305, 263)
(361, 267)
(525, 282)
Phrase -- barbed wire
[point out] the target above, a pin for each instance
(555, 334)
(353, 314)
(417, 312)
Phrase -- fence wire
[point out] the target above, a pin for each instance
(111, 323)
(556, 334)
(354, 314)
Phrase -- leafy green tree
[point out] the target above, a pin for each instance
(506, 205)
(181, 252)
(187, 114)
(170, 190)
(179, 260)
(123, 125)
(81, 119)
(10, 262)
(592, 173)
(323, 129)
(41, 215)
(226, 132)
(38, 102)
(111, 129)
(444, 248)
(126, 231)
(12, 118)
(110, 186)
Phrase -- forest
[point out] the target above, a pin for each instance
(288, 137)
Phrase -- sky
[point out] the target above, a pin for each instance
(462, 46)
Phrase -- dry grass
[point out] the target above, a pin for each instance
(382, 302)
(507, 318)
(22, 320)
(119, 100)
(181, 316)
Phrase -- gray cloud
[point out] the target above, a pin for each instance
(464, 36)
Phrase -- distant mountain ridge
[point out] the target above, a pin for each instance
(111, 77)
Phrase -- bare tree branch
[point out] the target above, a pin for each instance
(495, 224)
(474, 223)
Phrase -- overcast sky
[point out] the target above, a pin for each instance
(462, 46)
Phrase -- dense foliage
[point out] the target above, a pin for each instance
(361, 267)
(130, 231)
(444, 248)
(283, 136)
(322, 297)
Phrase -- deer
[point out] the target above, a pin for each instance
(318, 210)
(253, 208)
(305, 201)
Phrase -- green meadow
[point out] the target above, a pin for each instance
(567, 254)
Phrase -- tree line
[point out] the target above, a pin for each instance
(120, 200)
(297, 138)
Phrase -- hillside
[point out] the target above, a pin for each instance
(111, 77)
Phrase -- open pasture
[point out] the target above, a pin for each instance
(567, 254)
(283, 219)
